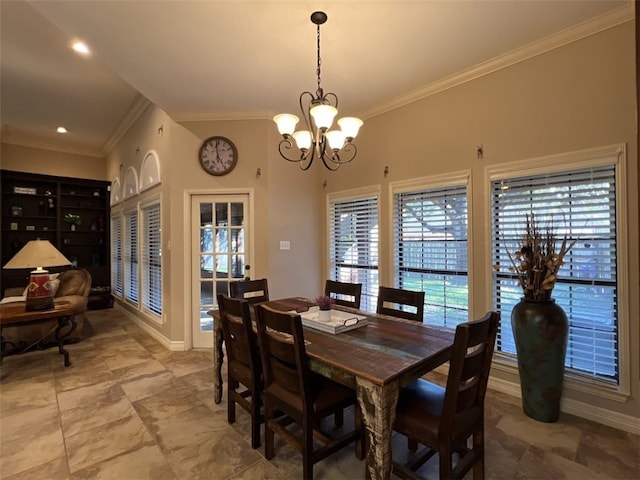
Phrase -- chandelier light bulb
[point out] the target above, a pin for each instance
(323, 116)
(350, 126)
(286, 123)
(335, 138)
(303, 139)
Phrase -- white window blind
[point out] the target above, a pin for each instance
(151, 260)
(116, 255)
(131, 284)
(577, 204)
(353, 245)
(430, 251)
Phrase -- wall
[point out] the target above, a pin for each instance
(49, 162)
(284, 209)
(575, 97)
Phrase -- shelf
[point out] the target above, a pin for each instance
(89, 200)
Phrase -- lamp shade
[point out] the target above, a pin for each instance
(38, 253)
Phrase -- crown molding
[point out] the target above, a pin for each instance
(569, 35)
(138, 106)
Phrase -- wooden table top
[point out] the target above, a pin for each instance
(382, 351)
(12, 314)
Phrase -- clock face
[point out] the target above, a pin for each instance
(218, 155)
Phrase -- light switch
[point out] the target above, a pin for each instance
(285, 245)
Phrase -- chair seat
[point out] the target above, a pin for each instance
(419, 412)
(326, 395)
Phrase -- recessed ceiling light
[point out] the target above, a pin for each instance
(81, 48)
(61, 130)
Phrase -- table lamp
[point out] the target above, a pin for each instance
(38, 254)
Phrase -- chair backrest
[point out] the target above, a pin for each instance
(469, 369)
(253, 291)
(285, 364)
(346, 294)
(237, 330)
(394, 302)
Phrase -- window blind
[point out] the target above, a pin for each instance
(131, 285)
(430, 250)
(353, 245)
(151, 260)
(578, 204)
(116, 255)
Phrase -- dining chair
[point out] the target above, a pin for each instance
(253, 291)
(244, 367)
(444, 418)
(345, 294)
(305, 397)
(394, 302)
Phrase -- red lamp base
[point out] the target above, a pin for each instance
(39, 292)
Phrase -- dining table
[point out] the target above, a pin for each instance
(376, 360)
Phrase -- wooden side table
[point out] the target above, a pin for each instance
(15, 315)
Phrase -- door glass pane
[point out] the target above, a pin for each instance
(237, 214)
(222, 216)
(205, 214)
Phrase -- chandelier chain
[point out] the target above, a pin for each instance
(319, 61)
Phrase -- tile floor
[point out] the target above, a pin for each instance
(128, 409)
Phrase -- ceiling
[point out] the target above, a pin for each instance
(202, 60)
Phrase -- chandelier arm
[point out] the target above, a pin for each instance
(349, 149)
(305, 111)
(329, 163)
(325, 99)
(286, 145)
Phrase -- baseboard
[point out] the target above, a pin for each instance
(174, 346)
(579, 409)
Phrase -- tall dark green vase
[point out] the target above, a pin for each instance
(540, 330)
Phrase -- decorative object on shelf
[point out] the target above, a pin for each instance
(218, 156)
(25, 190)
(100, 222)
(334, 147)
(73, 220)
(540, 326)
(30, 228)
(16, 211)
(96, 193)
(14, 226)
(38, 254)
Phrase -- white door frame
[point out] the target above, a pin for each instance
(187, 257)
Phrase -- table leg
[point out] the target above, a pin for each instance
(63, 322)
(218, 356)
(378, 404)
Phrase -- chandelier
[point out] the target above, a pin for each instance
(334, 147)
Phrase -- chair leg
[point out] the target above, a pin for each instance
(446, 468)
(412, 445)
(268, 432)
(307, 451)
(361, 441)
(478, 448)
(232, 385)
(255, 419)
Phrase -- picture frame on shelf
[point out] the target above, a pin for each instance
(16, 211)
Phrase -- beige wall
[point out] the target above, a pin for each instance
(576, 97)
(284, 208)
(48, 162)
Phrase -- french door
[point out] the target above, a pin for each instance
(219, 253)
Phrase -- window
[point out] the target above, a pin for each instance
(151, 257)
(579, 202)
(116, 255)
(131, 256)
(353, 243)
(430, 249)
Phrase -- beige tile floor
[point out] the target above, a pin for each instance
(128, 409)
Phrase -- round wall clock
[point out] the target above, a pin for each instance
(218, 155)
